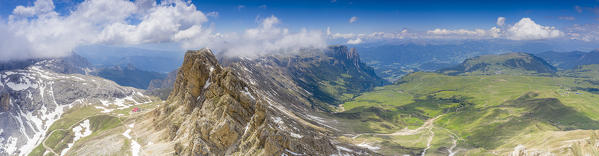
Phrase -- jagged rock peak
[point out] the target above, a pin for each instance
(212, 111)
(342, 52)
(194, 73)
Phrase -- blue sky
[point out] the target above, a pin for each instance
(395, 15)
(46, 28)
(373, 15)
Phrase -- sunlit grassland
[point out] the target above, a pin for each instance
(60, 132)
(485, 112)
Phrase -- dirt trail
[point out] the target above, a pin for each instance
(430, 138)
(70, 128)
(49, 149)
(454, 144)
(428, 125)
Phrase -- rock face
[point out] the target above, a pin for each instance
(214, 110)
(33, 97)
(322, 79)
(167, 82)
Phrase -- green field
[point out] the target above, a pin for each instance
(485, 112)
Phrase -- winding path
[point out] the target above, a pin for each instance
(426, 127)
(70, 128)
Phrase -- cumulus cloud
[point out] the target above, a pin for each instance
(39, 7)
(438, 33)
(353, 19)
(357, 38)
(42, 32)
(476, 32)
(527, 29)
(500, 21)
(38, 31)
(265, 39)
(355, 41)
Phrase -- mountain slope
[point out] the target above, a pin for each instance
(508, 63)
(323, 79)
(162, 87)
(570, 60)
(127, 75)
(212, 110)
(477, 115)
(34, 97)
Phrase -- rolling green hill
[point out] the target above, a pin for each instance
(481, 114)
(508, 63)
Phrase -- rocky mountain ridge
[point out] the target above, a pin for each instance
(240, 110)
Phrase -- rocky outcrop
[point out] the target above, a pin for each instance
(214, 110)
(162, 87)
(318, 79)
(167, 82)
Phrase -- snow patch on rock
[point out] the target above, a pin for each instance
(80, 131)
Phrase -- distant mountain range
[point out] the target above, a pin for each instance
(161, 61)
(570, 60)
(127, 75)
(393, 60)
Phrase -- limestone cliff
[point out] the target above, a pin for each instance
(213, 111)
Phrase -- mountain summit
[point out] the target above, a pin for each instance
(508, 63)
(212, 110)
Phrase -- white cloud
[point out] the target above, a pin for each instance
(476, 32)
(344, 36)
(355, 41)
(353, 38)
(500, 21)
(353, 19)
(212, 14)
(438, 33)
(267, 38)
(495, 32)
(39, 7)
(38, 31)
(586, 32)
(527, 29)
